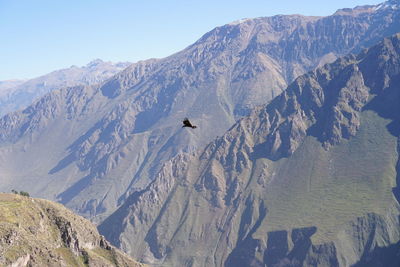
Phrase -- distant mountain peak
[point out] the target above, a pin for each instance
(239, 21)
(388, 5)
(17, 94)
(94, 63)
(393, 4)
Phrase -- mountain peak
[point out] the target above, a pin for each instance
(16, 95)
(94, 63)
(388, 5)
(239, 21)
(391, 4)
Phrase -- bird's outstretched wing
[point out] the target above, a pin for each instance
(186, 123)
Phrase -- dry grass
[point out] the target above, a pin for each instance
(28, 226)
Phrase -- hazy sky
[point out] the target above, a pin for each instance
(39, 36)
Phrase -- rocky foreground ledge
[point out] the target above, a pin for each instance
(37, 232)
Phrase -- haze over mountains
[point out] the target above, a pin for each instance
(89, 147)
(306, 179)
(18, 94)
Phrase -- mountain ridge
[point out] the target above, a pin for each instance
(273, 190)
(16, 95)
(37, 232)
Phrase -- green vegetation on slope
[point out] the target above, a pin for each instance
(43, 233)
(329, 188)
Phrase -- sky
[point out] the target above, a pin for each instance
(40, 36)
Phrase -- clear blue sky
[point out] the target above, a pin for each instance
(39, 36)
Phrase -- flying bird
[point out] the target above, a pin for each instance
(186, 123)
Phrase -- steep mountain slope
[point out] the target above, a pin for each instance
(306, 180)
(17, 94)
(35, 232)
(90, 147)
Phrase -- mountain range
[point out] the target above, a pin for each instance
(310, 179)
(18, 94)
(91, 146)
(306, 175)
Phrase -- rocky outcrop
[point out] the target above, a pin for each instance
(35, 232)
(329, 102)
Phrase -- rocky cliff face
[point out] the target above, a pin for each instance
(35, 232)
(90, 147)
(307, 180)
(18, 94)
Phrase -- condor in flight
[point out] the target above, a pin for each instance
(186, 123)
